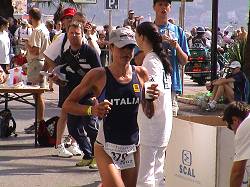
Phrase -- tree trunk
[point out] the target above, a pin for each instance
(246, 67)
(6, 9)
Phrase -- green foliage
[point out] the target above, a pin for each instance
(237, 52)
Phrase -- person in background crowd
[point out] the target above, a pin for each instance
(242, 34)
(191, 36)
(219, 37)
(208, 34)
(50, 27)
(226, 38)
(58, 29)
(4, 44)
(238, 120)
(12, 25)
(22, 34)
(119, 89)
(154, 132)
(175, 42)
(87, 26)
(12, 29)
(52, 35)
(94, 32)
(233, 87)
(36, 45)
(107, 29)
(103, 44)
(132, 20)
(200, 40)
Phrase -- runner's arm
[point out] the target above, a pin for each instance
(93, 82)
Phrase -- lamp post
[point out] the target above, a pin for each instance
(214, 39)
(128, 6)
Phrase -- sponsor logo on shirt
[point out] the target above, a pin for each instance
(136, 88)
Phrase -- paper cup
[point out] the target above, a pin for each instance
(146, 86)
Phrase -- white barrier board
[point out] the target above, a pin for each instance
(199, 155)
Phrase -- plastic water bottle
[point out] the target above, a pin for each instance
(15, 76)
(24, 78)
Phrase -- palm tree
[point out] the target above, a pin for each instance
(6, 9)
(246, 67)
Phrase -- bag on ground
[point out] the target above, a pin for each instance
(7, 124)
(47, 132)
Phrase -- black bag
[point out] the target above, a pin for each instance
(6, 119)
(47, 132)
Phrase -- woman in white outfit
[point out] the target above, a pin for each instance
(154, 132)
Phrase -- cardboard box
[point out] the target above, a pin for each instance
(200, 152)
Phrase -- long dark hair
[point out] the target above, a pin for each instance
(150, 30)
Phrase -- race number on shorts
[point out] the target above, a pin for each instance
(122, 155)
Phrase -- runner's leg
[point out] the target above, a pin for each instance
(110, 175)
(129, 176)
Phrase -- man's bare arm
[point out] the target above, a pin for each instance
(181, 55)
(237, 173)
(32, 50)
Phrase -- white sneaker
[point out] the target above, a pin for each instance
(175, 111)
(74, 149)
(211, 106)
(63, 152)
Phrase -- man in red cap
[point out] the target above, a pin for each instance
(67, 16)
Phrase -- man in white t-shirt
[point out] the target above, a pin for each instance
(238, 119)
(4, 43)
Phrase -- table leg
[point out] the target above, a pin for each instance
(36, 99)
(6, 100)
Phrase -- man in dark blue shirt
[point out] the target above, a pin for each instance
(73, 65)
(233, 87)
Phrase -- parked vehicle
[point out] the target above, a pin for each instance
(199, 65)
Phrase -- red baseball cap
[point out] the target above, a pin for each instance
(68, 12)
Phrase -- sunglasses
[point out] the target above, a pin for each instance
(130, 46)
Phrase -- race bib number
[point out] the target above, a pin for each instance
(122, 155)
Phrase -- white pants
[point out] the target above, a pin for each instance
(151, 170)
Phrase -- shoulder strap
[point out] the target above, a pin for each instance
(75, 66)
(19, 33)
(63, 43)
